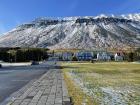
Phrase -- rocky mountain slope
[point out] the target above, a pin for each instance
(77, 32)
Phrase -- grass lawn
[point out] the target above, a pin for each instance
(109, 83)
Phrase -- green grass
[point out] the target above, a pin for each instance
(115, 75)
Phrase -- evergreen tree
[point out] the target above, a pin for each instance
(131, 57)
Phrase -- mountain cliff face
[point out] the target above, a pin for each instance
(77, 32)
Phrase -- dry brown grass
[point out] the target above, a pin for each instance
(119, 76)
(77, 95)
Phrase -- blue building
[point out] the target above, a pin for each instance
(84, 56)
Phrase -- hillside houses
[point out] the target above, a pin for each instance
(88, 56)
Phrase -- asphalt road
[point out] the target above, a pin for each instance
(14, 78)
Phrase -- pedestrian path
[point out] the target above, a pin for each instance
(50, 89)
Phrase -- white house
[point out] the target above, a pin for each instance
(103, 56)
(118, 57)
(58, 54)
(99, 56)
(67, 56)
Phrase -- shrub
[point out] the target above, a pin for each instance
(74, 58)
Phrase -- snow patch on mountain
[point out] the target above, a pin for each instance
(87, 32)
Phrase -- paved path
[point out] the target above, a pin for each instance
(14, 78)
(50, 89)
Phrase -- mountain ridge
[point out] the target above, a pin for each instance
(100, 32)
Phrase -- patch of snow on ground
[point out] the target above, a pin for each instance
(108, 95)
(15, 64)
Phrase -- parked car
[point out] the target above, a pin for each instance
(0, 65)
(35, 63)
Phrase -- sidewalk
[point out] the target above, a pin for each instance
(50, 89)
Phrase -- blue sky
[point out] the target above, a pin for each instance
(16, 12)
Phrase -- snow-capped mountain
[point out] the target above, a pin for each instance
(77, 32)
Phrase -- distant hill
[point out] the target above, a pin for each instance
(111, 32)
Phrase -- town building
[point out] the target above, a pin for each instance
(67, 56)
(103, 56)
(118, 57)
(84, 56)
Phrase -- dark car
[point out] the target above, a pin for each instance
(35, 63)
(0, 65)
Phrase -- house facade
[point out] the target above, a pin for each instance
(103, 56)
(118, 57)
(67, 56)
(84, 56)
